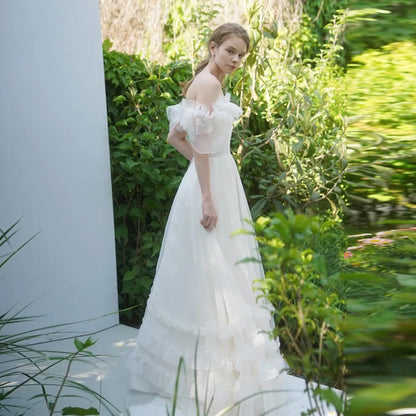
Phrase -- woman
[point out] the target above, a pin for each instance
(202, 294)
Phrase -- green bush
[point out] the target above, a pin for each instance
(307, 300)
(291, 149)
(382, 157)
(145, 170)
(380, 324)
(318, 15)
(376, 24)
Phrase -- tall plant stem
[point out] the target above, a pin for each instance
(68, 369)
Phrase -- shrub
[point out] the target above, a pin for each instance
(380, 140)
(379, 328)
(307, 300)
(291, 150)
(145, 169)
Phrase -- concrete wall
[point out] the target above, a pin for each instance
(54, 163)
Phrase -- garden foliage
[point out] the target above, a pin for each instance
(291, 151)
(301, 282)
(288, 144)
(382, 154)
(145, 170)
(354, 332)
(375, 24)
(380, 324)
(290, 148)
(381, 130)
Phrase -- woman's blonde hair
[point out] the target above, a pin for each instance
(218, 36)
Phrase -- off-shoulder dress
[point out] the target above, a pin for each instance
(203, 291)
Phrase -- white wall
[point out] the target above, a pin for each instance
(54, 163)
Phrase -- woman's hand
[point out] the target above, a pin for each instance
(209, 215)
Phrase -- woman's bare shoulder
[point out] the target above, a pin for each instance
(207, 79)
(205, 88)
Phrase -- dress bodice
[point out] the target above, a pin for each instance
(209, 132)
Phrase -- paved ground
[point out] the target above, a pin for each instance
(109, 376)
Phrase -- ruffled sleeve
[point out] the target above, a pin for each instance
(201, 125)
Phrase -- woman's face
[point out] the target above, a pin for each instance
(229, 54)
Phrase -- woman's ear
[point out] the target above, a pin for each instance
(212, 48)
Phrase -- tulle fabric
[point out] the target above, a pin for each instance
(207, 131)
(202, 298)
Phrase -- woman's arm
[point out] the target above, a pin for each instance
(209, 214)
(206, 93)
(178, 140)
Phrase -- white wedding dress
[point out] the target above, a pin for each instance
(203, 290)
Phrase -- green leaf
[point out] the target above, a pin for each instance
(78, 344)
(130, 275)
(331, 397)
(119, 99)
(381, 398)
(407, 279)
(315, 195)
(107, 44)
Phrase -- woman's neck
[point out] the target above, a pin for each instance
(214, 70)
